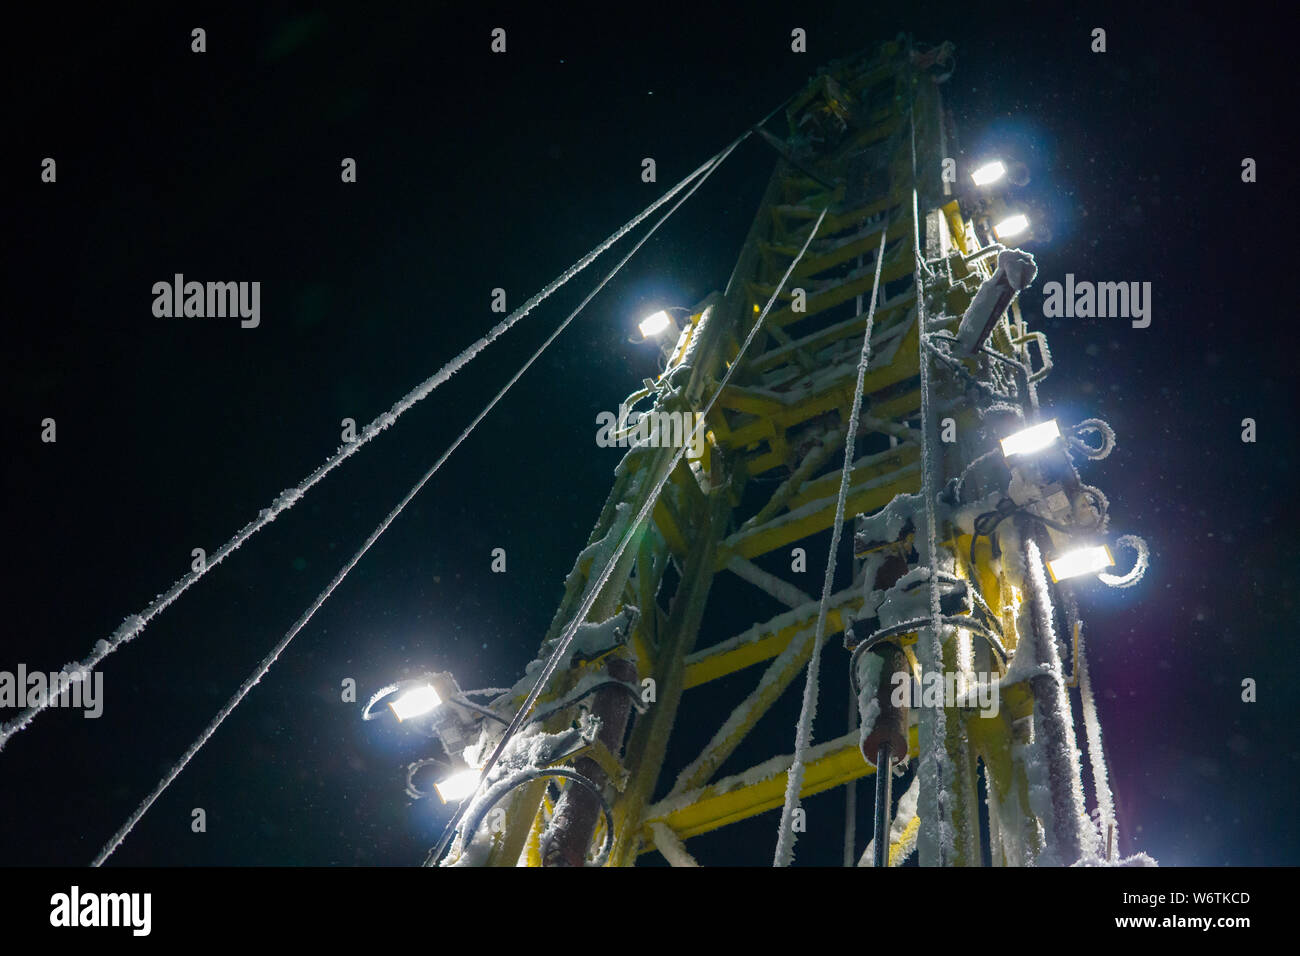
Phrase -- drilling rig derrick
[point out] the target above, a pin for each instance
(872, 313)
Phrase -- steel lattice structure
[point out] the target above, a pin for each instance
(949, 537)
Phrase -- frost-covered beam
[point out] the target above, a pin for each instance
(783, 591)
(865, 469)
(673, 849)
(778, 676)
(830, 393)
(645, 750)
(886, 330)
(766, 640)
(758, 789)
(841, 250)
(797, 353)
(840, 294)
(791, 486)
(817, 515)
(838, 221)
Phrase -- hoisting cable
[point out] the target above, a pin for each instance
(785, 837)
(594, 588)
(851, 794)
(135, 623)
(884, 801)
(270, 659)
(1108, 826)
(929, 641)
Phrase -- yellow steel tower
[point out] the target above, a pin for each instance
(872, 308)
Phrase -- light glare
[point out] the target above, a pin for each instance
(458, 786)
(1031, 439)
(1082, 561)
(989, 173)
(654, 324)
(1011, 226)
(416, 701)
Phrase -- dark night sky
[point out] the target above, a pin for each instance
(477, 171)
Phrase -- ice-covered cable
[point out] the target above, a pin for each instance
(134, 624)
(324, 595)
(960, 480)
(785, 837)
(1096, 426)
(1139, 564)
(1109, 829)
(933, 837)
(262, 669)
(594, 589)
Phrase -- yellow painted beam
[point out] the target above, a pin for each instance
(813, 517)
(810, 265)
(838, 295)
(759, 789)
(669, 527)
(907, 839)
(774, 457)
(877, 465)
(786, 215)
(956, 227)
(899, 407)
(741, 399)
(904, 366)
(770, 640)
(778, 676)
(842, 330)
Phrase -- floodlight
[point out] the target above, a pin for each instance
(989, 173)
(1011, 226)
(416, 701)
(654, 324)
(458, 786)
(1083, 561)
(1032, 439)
